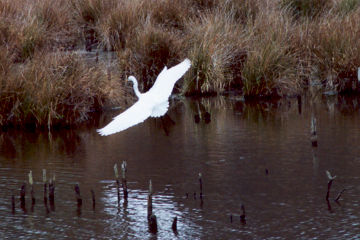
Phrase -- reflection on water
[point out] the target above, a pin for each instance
(258, 155)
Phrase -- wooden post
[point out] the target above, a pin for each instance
(31, 182)
(45, 186)
(117, 182)
(299, 104)
(331, 179)
(243, 216)
(52, 193)
(78, 196)
(150, 200)
(174, 226)
(151, 217)
(22, 196)
(200, 181)
(153, 224)
(328, 189)
(93, 198)
(313, 132)
(78, 199)
(123, 179)
(13, 204)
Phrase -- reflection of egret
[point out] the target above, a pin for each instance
(153, 103)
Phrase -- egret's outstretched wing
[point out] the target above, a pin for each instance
(166, 80)
(160, 109)
(153, 103)
(137, 113)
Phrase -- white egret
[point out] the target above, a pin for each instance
(153, 103)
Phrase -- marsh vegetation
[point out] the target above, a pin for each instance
(259, 48)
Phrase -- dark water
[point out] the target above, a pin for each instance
(232, 152)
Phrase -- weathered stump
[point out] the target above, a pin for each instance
(78, 195)
(123, 180)
(174, 226)
(93, 198)
(153, 224)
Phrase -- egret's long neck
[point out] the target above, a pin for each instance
(136, 88)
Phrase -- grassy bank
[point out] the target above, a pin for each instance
(260, 48)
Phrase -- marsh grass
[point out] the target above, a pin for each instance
(120, 24)
(306, 8)
(347, 6)
(170, 14)
(148, 51)
(336, 54)
(259, 48)
(214, 43)
(63, 91)
(272, 63)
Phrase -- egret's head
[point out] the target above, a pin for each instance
(132, 79)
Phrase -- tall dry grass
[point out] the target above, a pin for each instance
(215, 43)
(259, 48)
(63, 91)
(272, 64)
(336, 51)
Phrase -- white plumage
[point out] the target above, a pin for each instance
(153, 103)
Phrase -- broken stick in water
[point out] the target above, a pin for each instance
(77, 194)
(331, 179)
(13, 204)
(117, 182)
(45, 186)
(52, 193)
(313, 132)
(151, 217)
(339, 195)
(153, 224)
(45, 192)
(299, 104)
(174, 226)
(201, 186)
(243, 216)
(149, 213)
(31, 182)
(93, 198)
(22, 196)
(123, 179)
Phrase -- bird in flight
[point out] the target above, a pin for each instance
(153, 103)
